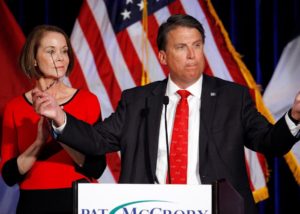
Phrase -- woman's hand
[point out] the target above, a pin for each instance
(27, 159)
(43, 131)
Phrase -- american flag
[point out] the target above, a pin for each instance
(115, 47)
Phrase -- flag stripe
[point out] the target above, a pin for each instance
(86, 61)
(111, 45)
(176, 8)
(96, 45)
(257, 179)
(152, 33)
(155, 70)
(231, 65)
(77, 79)
(207, 69)
(162, 15)
(130, 56)
(114, 164)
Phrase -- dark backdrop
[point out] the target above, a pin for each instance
(259, 31)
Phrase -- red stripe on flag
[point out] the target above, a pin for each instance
(263, 163)
(77, 78)
(249, 178)
(114, 164)
(230, 63)
(105, 70)
(130, 56)
(176, 8)
(207, 69)
(152, 34)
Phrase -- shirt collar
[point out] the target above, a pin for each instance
(194, 89)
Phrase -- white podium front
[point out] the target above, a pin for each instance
(143, 199)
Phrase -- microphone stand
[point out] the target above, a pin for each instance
(166, 102)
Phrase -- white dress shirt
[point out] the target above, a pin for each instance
(194, 102)
(292, 126)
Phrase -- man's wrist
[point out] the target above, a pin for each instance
(59, 129)
(60, 120)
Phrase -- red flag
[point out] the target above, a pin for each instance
(13, 81)
(115, 44)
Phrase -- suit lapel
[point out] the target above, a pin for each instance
(155, 105)
(208, 102)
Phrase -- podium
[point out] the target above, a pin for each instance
(226, 199)
(96, 198)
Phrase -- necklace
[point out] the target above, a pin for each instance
(49, 86)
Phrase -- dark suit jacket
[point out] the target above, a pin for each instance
(228, 122)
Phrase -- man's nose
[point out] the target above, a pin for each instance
(191, 53)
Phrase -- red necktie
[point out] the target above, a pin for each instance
(179, 143)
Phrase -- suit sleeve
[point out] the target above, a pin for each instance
(98, 139)
(261, 135)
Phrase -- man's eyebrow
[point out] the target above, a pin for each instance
(199, 40)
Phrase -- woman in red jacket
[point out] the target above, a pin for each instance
(44, 168)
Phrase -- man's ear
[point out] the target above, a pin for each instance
(162, 57)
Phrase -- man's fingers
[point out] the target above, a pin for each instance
(39, 101)
(36, 94)
(41, 104)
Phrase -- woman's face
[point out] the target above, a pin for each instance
(52, 55)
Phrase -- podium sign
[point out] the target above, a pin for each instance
(144, 199)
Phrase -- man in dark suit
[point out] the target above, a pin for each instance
(222, 120)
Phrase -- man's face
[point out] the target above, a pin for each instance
(184, 55)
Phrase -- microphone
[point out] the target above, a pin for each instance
(166, 102)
